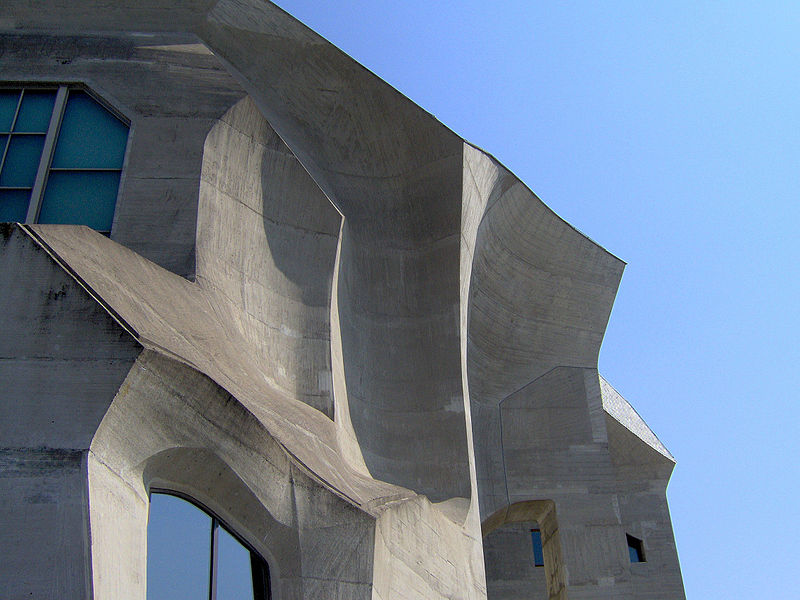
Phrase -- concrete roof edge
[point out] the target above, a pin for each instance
(619, 409)
(493, 158)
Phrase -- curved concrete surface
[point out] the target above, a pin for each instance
(389, 337)
(266, 242)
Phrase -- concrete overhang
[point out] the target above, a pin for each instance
(175, 318)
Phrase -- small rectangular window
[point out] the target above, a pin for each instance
(635, 549)
(538, 553)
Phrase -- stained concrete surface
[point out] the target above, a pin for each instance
(359, 339)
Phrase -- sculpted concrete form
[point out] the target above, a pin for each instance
(358, 339)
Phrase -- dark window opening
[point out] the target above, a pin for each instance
(635, 549)
(192, 554)
(538, 553)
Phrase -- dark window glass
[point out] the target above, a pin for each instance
(80, 198)
(35, 111)
(538, 554)
(22, 161)
(8, 108)
(90, 137)
(635, 549)
(13, 205)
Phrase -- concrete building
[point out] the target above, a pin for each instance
(359, 342)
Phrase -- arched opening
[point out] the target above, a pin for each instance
(192, 553)
(522, 552)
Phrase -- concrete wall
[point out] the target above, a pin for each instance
(266, 242)
(510, 568)
(172, 89)
(395, 175)
(382, 365)
(62, 359)
(642, 478)
(554, 450)
(172, 428)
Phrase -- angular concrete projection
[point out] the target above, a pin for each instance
(358, 341)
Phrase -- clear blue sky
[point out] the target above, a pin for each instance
(669, 132)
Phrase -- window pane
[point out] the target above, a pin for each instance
(22, 160)
(8, 106)
(35, 112)
(14, 205)
(80, 198)
(538, 555)
(178, 550)
(234, 578)
(90, 136)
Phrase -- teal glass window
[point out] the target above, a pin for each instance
(191, 554)
(61, 157)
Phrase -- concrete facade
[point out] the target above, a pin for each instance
(355, 337)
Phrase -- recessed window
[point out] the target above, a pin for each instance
(538, 554)
(61, 154)
(635, 549)
(191, 554)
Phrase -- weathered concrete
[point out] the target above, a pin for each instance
(359, 340)
(62, 359)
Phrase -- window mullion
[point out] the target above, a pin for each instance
(16, 112)
(212, 576)
(47, 155)
(11, 129)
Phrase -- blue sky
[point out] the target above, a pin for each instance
(670, 134)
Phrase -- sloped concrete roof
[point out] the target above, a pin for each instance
(621, 411)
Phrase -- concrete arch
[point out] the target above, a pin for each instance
(200, 475)
(171, 427)
(542, 512)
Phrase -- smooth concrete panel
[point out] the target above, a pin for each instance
(540, 298)
(118, 541)
(44, 549)
(422, 554)
(266, 242)
(402, 364)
